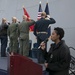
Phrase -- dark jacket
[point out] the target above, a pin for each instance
(42, 25)
(3, 29)
(58, 59)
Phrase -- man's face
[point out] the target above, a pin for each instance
(54, 36)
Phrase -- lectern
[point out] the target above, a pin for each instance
(21, 65)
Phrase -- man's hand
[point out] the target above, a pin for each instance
(42, 45)
(48, 16)
(46, 65)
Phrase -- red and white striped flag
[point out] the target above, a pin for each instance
(39, 11)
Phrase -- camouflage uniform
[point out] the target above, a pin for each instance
(13, 36)
(24, 37)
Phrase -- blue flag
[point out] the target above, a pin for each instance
(47, 12)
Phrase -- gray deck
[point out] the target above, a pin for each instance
(3, 63)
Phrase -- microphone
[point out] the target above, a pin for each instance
(45, 41)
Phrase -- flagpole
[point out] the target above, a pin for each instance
(47, 1)
(40, 2)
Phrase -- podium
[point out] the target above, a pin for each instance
(21, 65)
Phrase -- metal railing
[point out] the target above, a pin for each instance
(72, 64)
(72, 48)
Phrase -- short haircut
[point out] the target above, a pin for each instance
(43, 14)
(60, 32)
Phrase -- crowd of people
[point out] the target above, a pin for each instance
(18, 34)
(57, 60)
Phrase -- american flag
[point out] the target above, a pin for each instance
(48, 14)
(39, 11)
